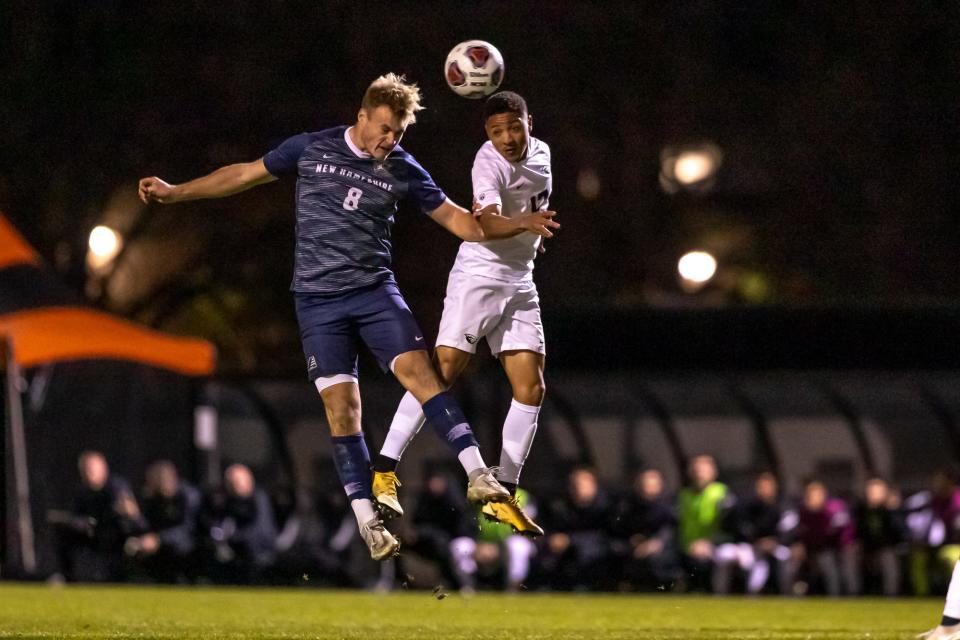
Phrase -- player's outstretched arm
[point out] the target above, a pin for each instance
(490, 225)
(498, 226)
(223, 182)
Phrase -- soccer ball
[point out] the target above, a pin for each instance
(474, 69)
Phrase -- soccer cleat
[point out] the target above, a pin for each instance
(941, 633)
(484, 487)
(381, 542)
(510, 512)
(385, 485)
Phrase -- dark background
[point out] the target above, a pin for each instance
(838, 189)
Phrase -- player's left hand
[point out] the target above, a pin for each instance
(540, 223)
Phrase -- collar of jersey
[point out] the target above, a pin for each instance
(357, 151)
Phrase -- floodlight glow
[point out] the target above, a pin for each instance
(693, 166)
(104, 244)
(697, 267)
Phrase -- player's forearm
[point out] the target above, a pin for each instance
(495, 226)
(223, 182)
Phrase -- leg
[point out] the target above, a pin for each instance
(341, 400)
(949, 627)
(414, 370)
(828, 566)
(520, 551)
(408, 420)
(524, 370)
(463, 562)
(724, 558)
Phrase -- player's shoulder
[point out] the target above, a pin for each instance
(488, 151)
(488, 156)
(539, 147)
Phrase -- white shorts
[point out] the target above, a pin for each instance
(507, 314)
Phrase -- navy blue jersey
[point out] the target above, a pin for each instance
(346, 203)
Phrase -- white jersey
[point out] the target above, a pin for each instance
(519, 188)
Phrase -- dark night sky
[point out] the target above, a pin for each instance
(839, 129)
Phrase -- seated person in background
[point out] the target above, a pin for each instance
(933, 520)
(700, 508)
(171, 508)
(755, 527)
(577, 551)
(240, 528)
(645, 528)
(92, 533)
(443, 530)
(825, 541)
(500, 551)
(880, 533)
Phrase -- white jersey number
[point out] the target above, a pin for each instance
(352, 201)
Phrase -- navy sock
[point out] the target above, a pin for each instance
(445, 417)
(352, 460)
(949, 622)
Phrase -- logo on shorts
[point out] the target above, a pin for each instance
(472, 339)
(311, 363)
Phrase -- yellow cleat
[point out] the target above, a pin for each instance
(385, 484)
(511, 513)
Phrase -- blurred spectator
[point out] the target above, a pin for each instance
(756, 528)
(825, 547)
(501, 552)
(240, 528)
(933, 523)
(880, 533)
(444, 529)
(577, 550)
(645, 527)
(700, 507)
(171, 508)
(92, 533)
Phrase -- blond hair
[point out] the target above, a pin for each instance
(394, 91)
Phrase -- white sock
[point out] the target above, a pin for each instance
(407, 422)
(471, 460)
(952, 607)
(519, 427)
(363, 509)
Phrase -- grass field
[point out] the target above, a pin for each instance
(150, 612)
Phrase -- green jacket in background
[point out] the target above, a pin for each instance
(700, 513)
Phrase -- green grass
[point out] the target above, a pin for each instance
(207, 613)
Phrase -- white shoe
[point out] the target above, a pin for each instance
(381, 542)
(484, 487)
(941, 633)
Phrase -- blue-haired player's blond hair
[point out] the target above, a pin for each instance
(394, 91)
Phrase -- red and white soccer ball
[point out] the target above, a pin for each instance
(474, 69)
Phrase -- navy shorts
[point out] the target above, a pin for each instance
(333, 326)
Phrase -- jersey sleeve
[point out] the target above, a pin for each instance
(283, 160)
(423, 191)
(487, 178)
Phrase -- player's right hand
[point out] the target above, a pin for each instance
(154, 189)
(540, 223)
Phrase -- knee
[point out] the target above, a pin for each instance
(344, 418)
(531, 393)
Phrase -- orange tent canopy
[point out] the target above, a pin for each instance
(59, 330)
(13, 248)
(52, 334)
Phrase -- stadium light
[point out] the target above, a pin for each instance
(693, 166)
(690, 168)
(104, 244)
(696, 268)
